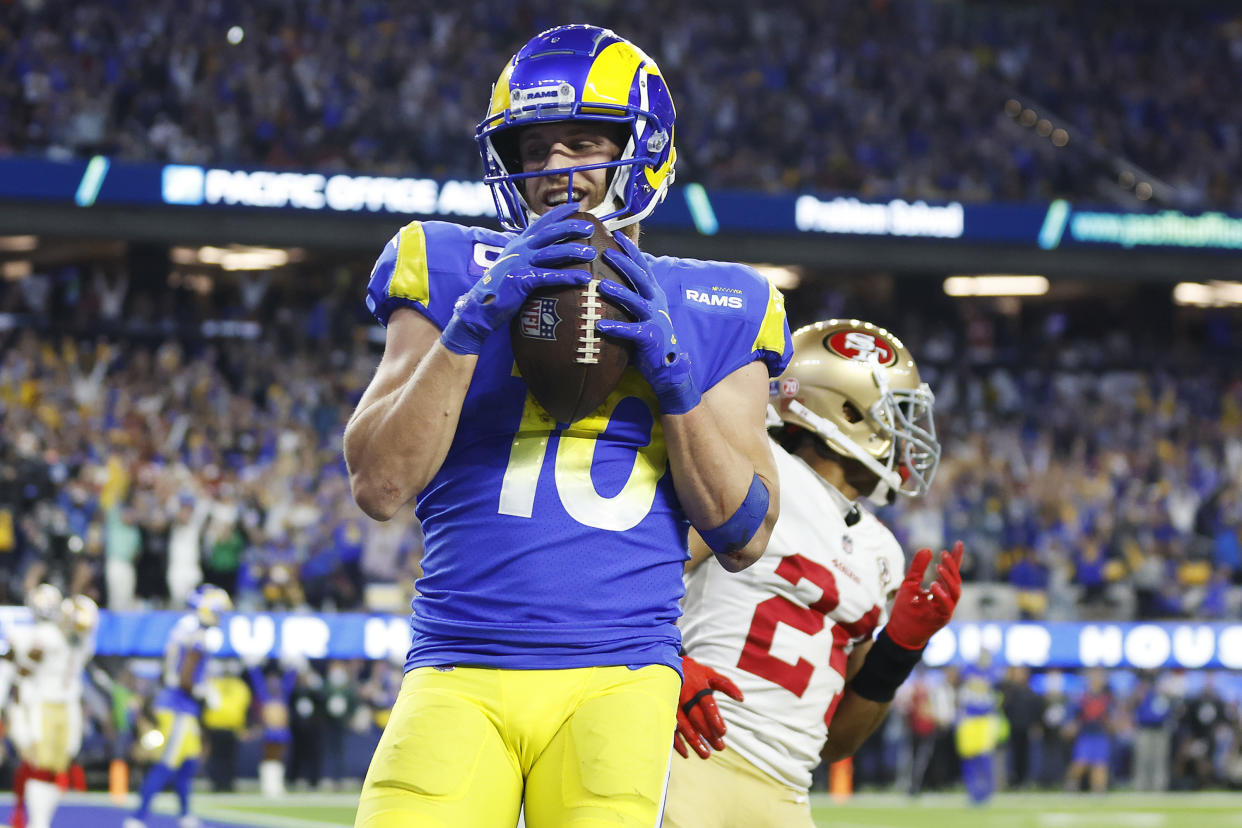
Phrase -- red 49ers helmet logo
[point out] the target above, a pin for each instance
(860, 346)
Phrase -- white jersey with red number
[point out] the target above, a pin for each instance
(782, 629)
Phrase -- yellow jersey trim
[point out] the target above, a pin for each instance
(772, 330)
(409, 276)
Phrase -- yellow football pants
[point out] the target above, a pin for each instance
(587, 747)
(182, 737)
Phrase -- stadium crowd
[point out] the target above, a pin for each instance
(1172, 730)
(890, 98)
(1088, 467)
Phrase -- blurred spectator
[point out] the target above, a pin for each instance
(944, 766)
(306, 728)
(1092, 744)
(271, 688)
(122, 545)
(1024, 710)
(339, 705)
(185, 547)
(1030, 578)
(1058, 731)
(224, 724)
(1152, 745)
(1201, 723)
(915, 700)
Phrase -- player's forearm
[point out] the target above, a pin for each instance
(712, 478)
(396, 444)
(855, 719)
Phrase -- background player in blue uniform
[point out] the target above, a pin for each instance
(179, 704)
(543, 665)
(978, 728)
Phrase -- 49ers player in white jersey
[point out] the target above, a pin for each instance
(788, 641)
(46, 718)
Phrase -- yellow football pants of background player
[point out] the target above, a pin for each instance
(183, 738)
(977, 735)
(588, 747)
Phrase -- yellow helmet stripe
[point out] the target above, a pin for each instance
(612, 74)
(500, 92)
(409, 277)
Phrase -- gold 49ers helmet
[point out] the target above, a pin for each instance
(44, 602)
(80, 615)
(856, 386)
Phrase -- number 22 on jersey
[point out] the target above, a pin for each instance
(757, 658)
(574, 458)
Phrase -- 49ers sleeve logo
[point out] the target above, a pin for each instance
(539, 318)
(860, 346)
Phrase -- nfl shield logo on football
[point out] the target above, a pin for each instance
(539, 318)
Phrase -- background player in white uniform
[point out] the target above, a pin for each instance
(46, 718)
(80, 619)
(851, 418)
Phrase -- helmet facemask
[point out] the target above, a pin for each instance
(503, 148)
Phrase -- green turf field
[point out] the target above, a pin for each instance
(1116, 810)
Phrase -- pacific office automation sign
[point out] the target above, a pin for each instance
(194, 186)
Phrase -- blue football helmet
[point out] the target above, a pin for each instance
(209, 603)
(581, 73)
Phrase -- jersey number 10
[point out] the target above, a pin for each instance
(574, 457)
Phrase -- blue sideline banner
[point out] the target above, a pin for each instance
(1187, 644)
(689, 208)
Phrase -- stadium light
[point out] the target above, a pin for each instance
(18, 244)
(244, 258)
(12, 271)
(996, 285)
(1211, 295)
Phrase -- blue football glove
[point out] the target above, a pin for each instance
(658, 354)
(521, 269)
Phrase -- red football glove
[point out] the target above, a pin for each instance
(919, 613)
(698, 718)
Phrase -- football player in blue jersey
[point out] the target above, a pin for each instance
(180, 704)
(544, 663)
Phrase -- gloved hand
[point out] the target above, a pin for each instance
(919, 613)
(698, 718)
(521, 269)
(658, 354)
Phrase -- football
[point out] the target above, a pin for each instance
(569, 367)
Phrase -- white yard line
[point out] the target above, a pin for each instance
(259, 818)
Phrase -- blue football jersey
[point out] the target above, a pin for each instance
(187, 637)
(554, 545)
